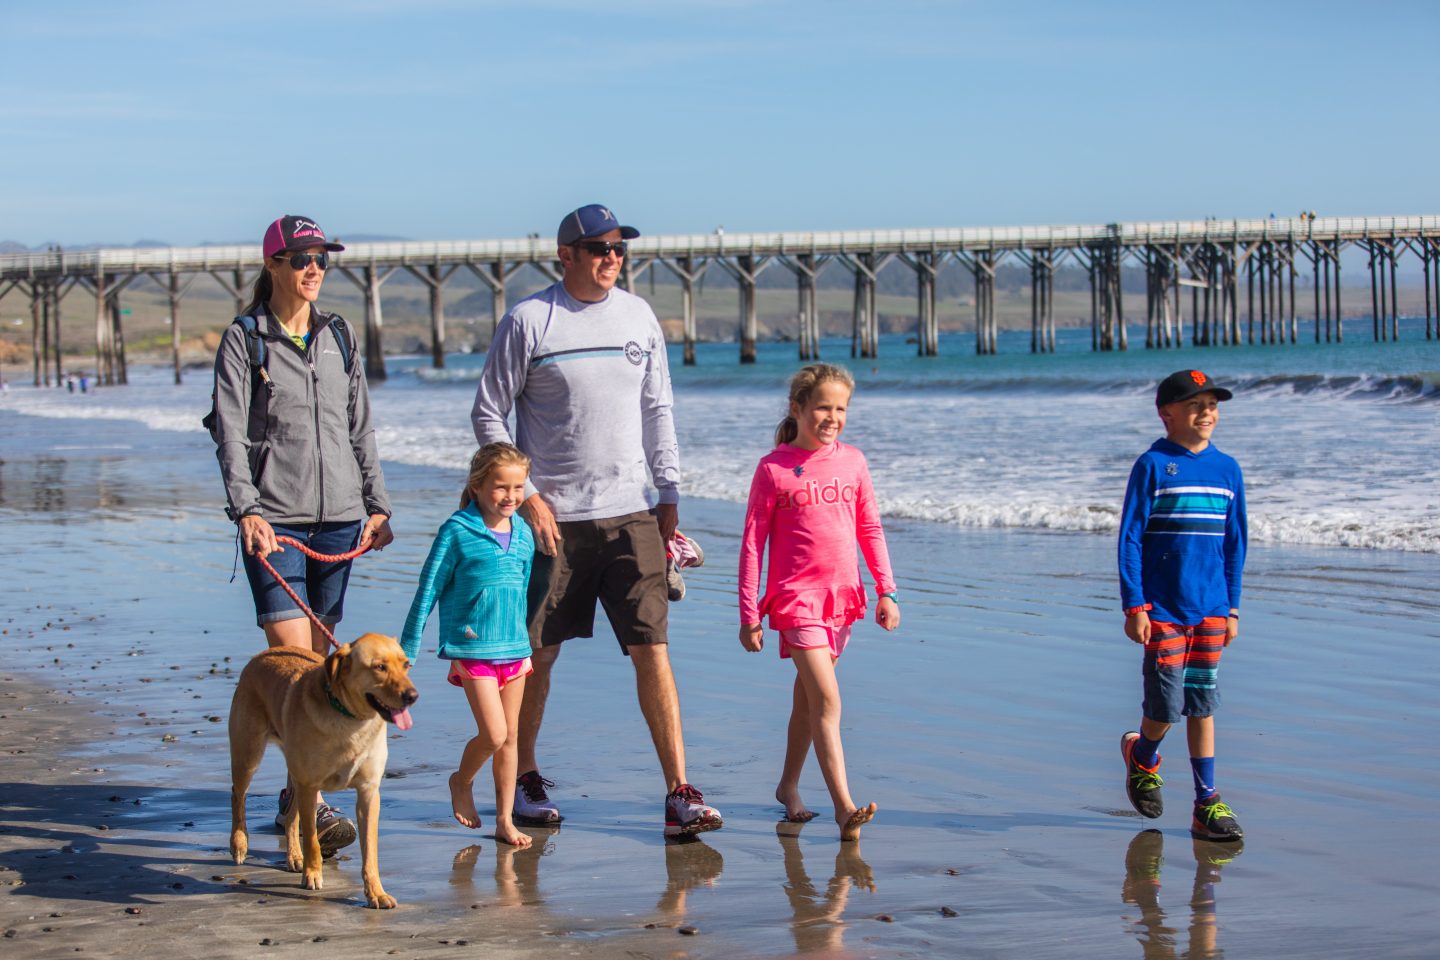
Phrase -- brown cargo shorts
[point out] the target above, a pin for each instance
(619, 561)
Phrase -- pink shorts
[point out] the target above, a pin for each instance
(811, 637)
(501, 673)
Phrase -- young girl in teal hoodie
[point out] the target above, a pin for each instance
(478, 571)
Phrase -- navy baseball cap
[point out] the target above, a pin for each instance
(1184, 384)
(295, 233)
(591, 220)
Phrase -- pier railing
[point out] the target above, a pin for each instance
(1212, 259)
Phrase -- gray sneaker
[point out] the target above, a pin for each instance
(533, 807)
(334, 830)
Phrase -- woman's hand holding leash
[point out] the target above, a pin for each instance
(752, 637)
(257, 536)
(887, 613)
(377, 534)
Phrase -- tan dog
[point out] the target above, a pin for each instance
(329, 716)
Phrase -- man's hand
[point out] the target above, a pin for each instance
(667, 515)
(1137, 627)
(377, 529)
(541, 518)
(257, 536)
(1232, 629)
(887, 613)
(752, 637)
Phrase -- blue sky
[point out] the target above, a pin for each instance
(192, 122)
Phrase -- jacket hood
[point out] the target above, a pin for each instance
(469, 517)
(1173, 449)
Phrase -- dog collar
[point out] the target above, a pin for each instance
(335, 702)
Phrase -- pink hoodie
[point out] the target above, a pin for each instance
(812, 506)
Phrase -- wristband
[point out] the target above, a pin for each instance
(1233, 615)
(1131, 611)
(893, 596)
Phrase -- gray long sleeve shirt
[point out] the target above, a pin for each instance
(590, 387)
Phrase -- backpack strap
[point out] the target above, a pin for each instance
(251, 328)
(342, 340)
(259, 398)
(260, 386)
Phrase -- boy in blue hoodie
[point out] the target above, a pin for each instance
(1181, 552)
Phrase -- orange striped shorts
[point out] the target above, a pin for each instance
(1181, 666)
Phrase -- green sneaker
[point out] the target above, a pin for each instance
(1142, 784)
(1214, 820)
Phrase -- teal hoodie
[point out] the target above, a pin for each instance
(480, 588)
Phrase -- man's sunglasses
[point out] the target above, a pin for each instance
(602, 248)
(299, 261)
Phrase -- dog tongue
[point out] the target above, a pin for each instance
(403, 720)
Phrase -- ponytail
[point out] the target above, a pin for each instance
(260, 294)
(787, 430)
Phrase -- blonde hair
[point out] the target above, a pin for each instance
(802, 387)
(486, 461)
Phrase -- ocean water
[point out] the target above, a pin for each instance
(1337, 441)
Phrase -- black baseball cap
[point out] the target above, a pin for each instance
(591, 220)
(1184, 384)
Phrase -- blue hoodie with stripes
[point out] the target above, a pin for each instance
(480, 588)
(1183, 534)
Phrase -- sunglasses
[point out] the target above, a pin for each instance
(602, 248)
(299, 261)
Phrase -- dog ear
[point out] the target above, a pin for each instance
(335, 662)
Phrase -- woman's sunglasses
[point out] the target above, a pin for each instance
(602, 248)
(299, 261)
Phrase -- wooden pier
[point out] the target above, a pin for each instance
(1240, 276)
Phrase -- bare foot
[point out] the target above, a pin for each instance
(795, 811)
(850, 826)
(463, 803)
(506, 833)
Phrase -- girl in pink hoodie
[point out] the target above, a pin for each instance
(812, 500)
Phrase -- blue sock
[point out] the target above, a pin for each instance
(1146, 752)
(1203, 770)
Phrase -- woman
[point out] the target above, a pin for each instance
(297, 450)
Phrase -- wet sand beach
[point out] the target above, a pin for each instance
(987, 731)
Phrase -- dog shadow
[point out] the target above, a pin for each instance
(127, 845)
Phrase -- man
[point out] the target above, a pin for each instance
(584, 367)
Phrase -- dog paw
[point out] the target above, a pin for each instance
(311, 880)
(381, 900)
(295, 864)
(238, 853)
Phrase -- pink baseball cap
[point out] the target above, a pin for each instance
(293, 233)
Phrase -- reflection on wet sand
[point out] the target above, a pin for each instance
(1143, 859)
(58, 485)
(819, 924)
(517, 870)
(689, 863)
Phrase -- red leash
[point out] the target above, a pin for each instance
(323, 558)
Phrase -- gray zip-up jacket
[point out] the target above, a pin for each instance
(314, 459)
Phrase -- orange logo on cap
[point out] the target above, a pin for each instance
(1198, 377)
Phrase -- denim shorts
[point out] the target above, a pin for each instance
(1182, 665)
(321, 585)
